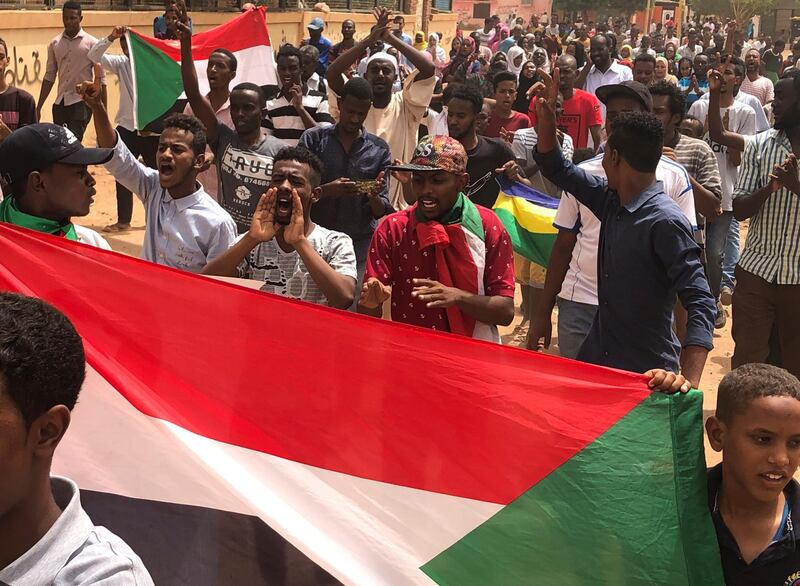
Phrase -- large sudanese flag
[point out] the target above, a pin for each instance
(156, 69)
(236, 437)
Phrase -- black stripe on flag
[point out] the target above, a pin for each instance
(199, 546)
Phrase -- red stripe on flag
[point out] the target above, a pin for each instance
(379, 400)
(247, 30)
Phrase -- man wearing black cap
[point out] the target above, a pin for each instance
(46, 182)
(571, 280)
(646, 252)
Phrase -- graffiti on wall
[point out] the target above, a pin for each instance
(22, 71)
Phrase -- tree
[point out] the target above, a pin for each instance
(740, 10)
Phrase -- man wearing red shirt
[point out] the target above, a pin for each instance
(446, 263)
(505, 94)
(581, 114)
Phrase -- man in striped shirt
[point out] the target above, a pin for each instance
(768, 273)
(296, 108)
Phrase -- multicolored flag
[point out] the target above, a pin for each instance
(528, 217)
(235, 437)
(156, 66)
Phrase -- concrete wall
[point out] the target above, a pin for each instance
(28, 33)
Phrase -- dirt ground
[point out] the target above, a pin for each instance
(104, 213)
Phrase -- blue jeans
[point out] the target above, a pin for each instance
(716, 242)
(574, 322)
(731, 257)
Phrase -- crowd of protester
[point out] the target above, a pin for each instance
(365, 181)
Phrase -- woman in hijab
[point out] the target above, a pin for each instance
(626, 55)
(464, 64)
(670, 54)
(540, 59)
(499, 38)
(437, 53)
(527, 77)
(662, 71)
(419, 41)
(516, 59)
(455, 47)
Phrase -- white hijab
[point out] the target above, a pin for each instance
(513, 53)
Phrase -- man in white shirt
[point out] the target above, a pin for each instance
(140, 144)
(44, 169)
(741, 119)
(45, 535)
(692, 48)
(603, 69)
(185, 227)
(572, 272)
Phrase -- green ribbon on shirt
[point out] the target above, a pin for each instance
(10, 213)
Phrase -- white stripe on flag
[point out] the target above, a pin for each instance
(255, 65)
(361, 531)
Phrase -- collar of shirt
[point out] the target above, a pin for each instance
(79, 35)
(646, 195)
(41, 563)
(615, 67)
(183, 203)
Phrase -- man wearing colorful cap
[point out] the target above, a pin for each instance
(45, 180)
(446, 263)
(323, 45)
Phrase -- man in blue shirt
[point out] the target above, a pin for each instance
(323, 45)
(354, 192)
(647, 250)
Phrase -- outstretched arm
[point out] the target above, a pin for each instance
(342, 63)
(201, 106)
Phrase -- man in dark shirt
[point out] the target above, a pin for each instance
(647, 249)
(351, 200)
(17, 107)
(485, 156)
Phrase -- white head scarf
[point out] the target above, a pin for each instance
(385, 57)
(513, 53)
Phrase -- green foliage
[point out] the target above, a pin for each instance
(601, 6)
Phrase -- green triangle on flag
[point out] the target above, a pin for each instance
(630, 508)
(157, 81)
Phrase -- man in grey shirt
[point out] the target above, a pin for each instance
(243, 154)
(45, 535)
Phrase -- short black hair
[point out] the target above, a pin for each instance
(779, 42)
(302, 155)
(469, 94)
(71, 5)
(676, 102)
(2, 42)
(288, 50)
(232, 61)
(358, 87)
(247, 86)
(644, 58)
(504, 76)
(309, 49)
(737, 62)
(42, 363)
(639, 138)
(752, 381)
(191, 124)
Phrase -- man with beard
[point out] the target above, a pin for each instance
(243, 153)
(486, 157)
(284, 248)
(185, 228)
(603, 70)
(394, 116)
(754, 83)
(768, 274)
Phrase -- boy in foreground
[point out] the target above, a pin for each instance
(754, 501)
(292, 255)
(45, 535)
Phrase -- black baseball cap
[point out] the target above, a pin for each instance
(37, 146)
(631, 88)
